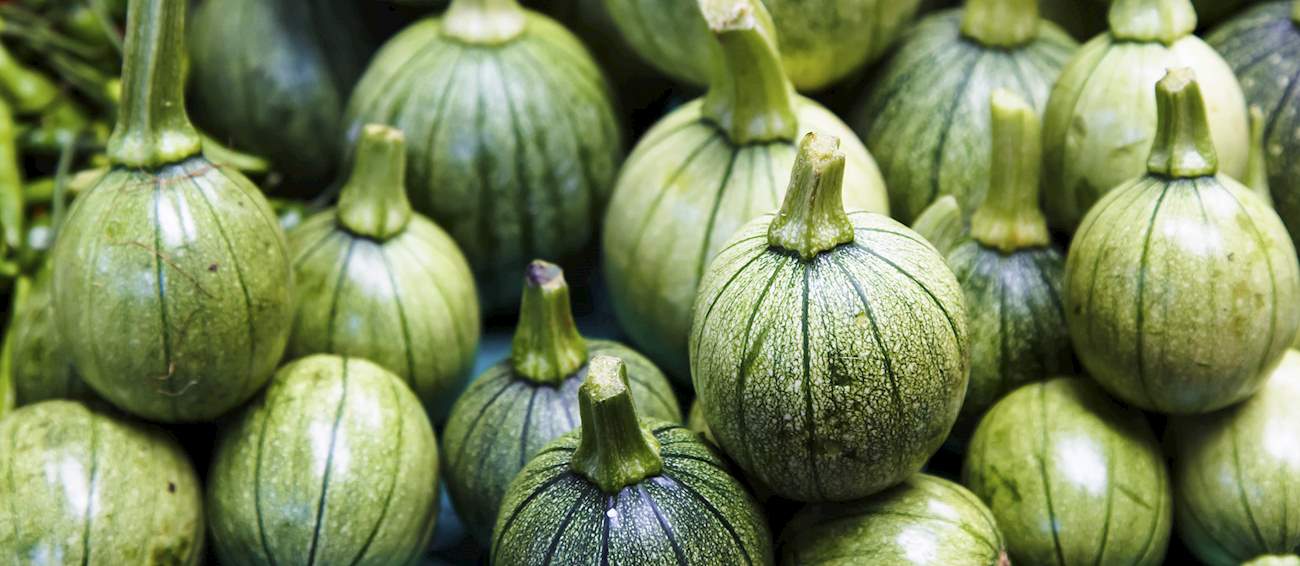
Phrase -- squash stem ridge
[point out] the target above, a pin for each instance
(614, 449)
(812, 218)
(484, 22)
(547, 347)
(942, 224)
(1000, 23)
(1009, 219)
(1165, 21)
(1257, 165)
(152, 127)
(373, 203)
(750, 97)
(1182, 147)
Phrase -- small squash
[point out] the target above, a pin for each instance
(529, 399)
(1071, 476)
(41, 367)
(622, 490)
(1182, 290)
(829, 350)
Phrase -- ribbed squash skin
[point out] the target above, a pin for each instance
(172, 289)
(272, 77)
(335, 464)
(929, 127)
(1072, 477)
(42, 368)
(833, 378)
(694, 512)
(684, 190)
(821, 41)
(84, 486)
(1237, 474)
(925, 520)
(503, 419)
(512, 149)
(407, 304)
(1262, 46)
(1181, 294)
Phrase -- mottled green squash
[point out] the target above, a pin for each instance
(85, 486)
(1072, 477)
(531, 398)
(172, 282)
(829, 350)
(925, 520)
(1182, 290)
(513, 141)
(1237, 474)
(1101, 118)
(703, 172)
(625, 490)
(335, 463)
(41, 367)
(376, 281)
(929, 126)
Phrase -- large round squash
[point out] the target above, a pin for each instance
(829, 350)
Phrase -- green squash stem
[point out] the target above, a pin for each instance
(750, 97)
(484, 22)
(1000, 23)
(941, 223)
(1009, 219)
(1182, 147)
(1256, 165)
(373, 203)
(1295, 12)
(547, 347)
(152, 127)
(812, 218)
(614, 449)
(1165, 21)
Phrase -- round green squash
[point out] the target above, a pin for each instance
(1237, 474)
(929, 126)
(376, 281)
(335, 463)
(704, 171)
(1283, 560)
(1181, 287)
(625, 490)
(829, 350)
(925, 520)
(530, 398)
(695, 421)
(84, 486)
(41, 367)
(272, 77)
(514, 144)
(1101, 118)
(1071, 477)
(172, 282)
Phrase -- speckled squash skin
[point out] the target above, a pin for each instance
(513, 147)
(693, 512)
(929, 129)
(88, 487)
(41, 366)
(925, 520)
(1237, 474)
(1071, 476)
(335, 464)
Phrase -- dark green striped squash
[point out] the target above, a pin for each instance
(41, 368)
(926, 520)
(1182, 290)
(1101, 118)
(1237, 474)
(1071, 477)
(272, 77)
(829, 350)
(85, 486)
(335, 463)
(530, 398)
(626, 490)
(928, 126)
(705, 170)
(377, 281)
(172, 284)
(514, 143)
